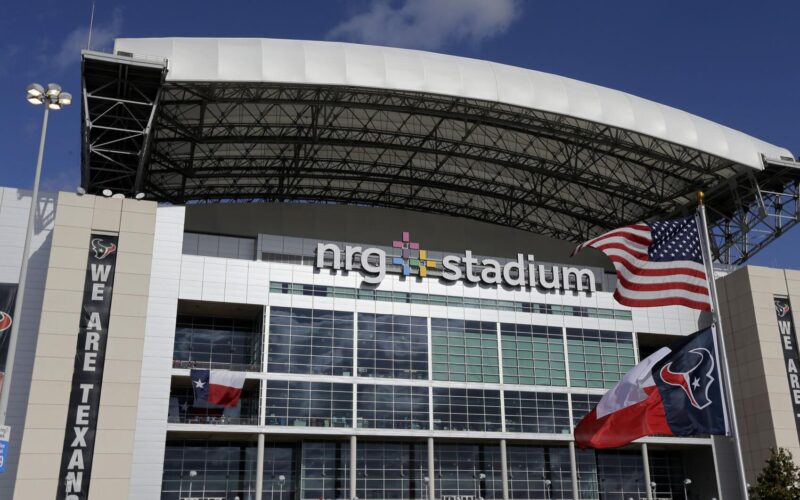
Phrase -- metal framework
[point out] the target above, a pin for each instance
(541, 172)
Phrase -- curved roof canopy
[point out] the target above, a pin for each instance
(254, 119)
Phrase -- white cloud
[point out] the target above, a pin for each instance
(103, 35)
(428, 24)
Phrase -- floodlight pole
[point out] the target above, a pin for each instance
(5, 391)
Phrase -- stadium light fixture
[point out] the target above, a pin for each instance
(53, 89)
(36, 95)
(53, 97)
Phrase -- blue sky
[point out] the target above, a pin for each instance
(734, 62)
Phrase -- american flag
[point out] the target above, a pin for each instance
(657, 263)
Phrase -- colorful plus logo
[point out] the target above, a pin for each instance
(420, 261)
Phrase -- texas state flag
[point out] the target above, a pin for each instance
(217, 387)
(675, 391)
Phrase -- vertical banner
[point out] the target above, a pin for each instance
(87, 376)
(8, 297)
(791, 357)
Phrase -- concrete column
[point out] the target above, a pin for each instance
(504, 468)
(431, 471)
(260, 467)
(353, 467)
(573, 467)
(646, 460)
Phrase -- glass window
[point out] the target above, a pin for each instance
(183, 410)
(531, 467)
(224, 469)
(666, 470)
(391, 470)
(464, 351)
(582, 404)
(392, 407)
(392, 346)
(280, 464)
(533, 355)
(217, 342)
(468, 471)
(543, 412)
(451, 301)
(309, 404)
(620, 474)
(598, 358)
(310, 341)
(325, 470)
(466, 410)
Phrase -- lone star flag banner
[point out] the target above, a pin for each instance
(658, 264)
(675, 391)
(217, 387)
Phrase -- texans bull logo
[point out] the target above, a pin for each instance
(5, 321)
(102, 249)
(781, 308)
(695, 385)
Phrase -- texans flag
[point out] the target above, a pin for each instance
(675, 391)
(658, 264)
(217, 387)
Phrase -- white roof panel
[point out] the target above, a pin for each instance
(336, 63)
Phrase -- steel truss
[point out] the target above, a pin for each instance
(541, 172)
(119, 103)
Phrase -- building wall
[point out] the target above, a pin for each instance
(760, 385)
(76, 219)
(151, 420)
(14, 207)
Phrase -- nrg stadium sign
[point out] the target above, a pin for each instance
(520, 273)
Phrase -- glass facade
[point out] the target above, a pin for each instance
(329, 372)
(309, 404)
(537, 412)
(582, 404)
(313, 469)
(325, 470)
(466, 410)
(468, 470)
(391, 470)
(392, 346)
(217, 342)
(223, 469)
(533, 355)
(464, 351)
(539, 472)
(598, 358)
(447, 300)
(182, 408)
(310, 341)
(392, 407)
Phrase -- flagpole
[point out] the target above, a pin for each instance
(705, 245)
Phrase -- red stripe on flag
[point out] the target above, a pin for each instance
(658, 287)
(625, 425)
(624, 248)
(672, 271)
(666, 301)
(635, 238)
(224, 395)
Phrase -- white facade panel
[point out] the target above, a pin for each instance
(151, 420)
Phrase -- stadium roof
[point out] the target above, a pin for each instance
(204, 120)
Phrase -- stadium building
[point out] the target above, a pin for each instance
(380, 238)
